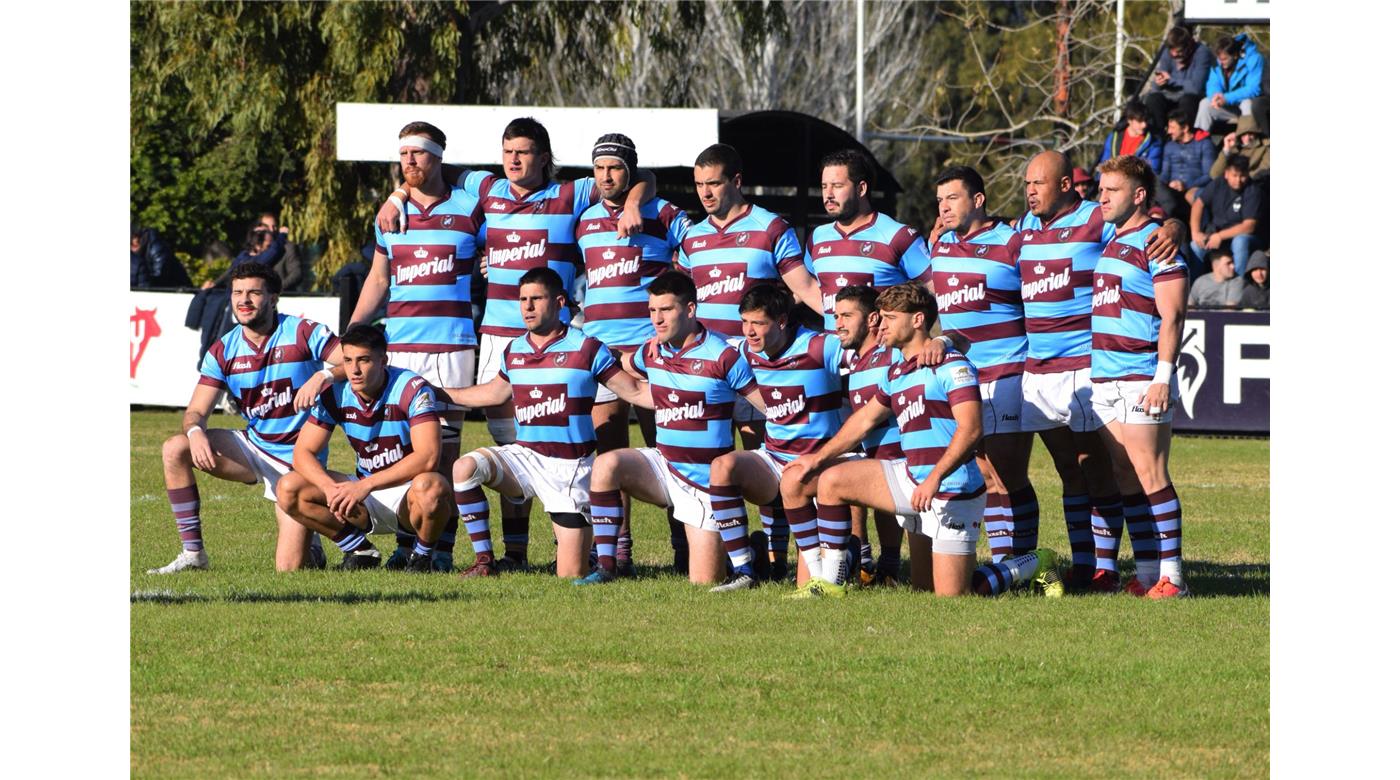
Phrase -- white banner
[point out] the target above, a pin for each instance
(664, 136)
(165, 354)
(1227, 10)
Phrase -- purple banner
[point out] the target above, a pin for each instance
(1223, 372)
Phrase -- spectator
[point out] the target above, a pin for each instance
(152, 263)
(1227, 212)
(1083, 183)
(1249, 140)
(1132, 137)
(266, 243)
(1179, 79)
(1234, 82)
(1255, 294)
(1219, 289)
(1185, 166)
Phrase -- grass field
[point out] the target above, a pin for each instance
(242, 672)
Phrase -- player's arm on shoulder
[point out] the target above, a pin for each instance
(1163, 242)
(310, 390)
(804, 288)
(375, 288)
(755, 397)
(493, 393)
(630, 389)
(629, 222)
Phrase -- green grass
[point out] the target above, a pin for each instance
(242, 672)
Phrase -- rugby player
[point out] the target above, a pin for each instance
(617, 270)
(935, 491)
(799, 374)
(696, 377)
(739, 245)
(553, 373)
(1061, 239)
(1139, 309)
(390, 419)
(977, 286)
(426, 273)
(260, 363)
(529, 221)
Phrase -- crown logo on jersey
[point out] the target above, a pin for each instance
(513, 237)
(857, 399)
(421, 253)
(1124, 251)
(1064, 234)
(777, 394)
(742, 239)
(982, 250)
(609, 254)
(715, 273)
(673, 398)
(1099, 282)
(561, 359)
(1039, 269)
(901, 400)
(952, 281)
(842, 281)
(536, 393)
(447, 221)
(867, 247)
(267, 390)
(696, 366)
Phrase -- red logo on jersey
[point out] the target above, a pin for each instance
(143, 329)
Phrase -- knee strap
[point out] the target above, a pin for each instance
(484, 473)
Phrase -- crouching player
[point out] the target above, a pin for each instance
(1139, 307)
(695, 377)
(390, 418)
(260, 363)
(552, 375)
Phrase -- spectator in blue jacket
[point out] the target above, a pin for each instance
(1179, 78)
(1131, 137)
(1185, 166)
(1235, 81)
(152, 263)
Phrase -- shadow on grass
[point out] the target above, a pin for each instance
(1208, 579)
(256, 597)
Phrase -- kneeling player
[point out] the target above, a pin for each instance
(1139, 308)
(390, 418)
(259, 362)
(695, 377)
(552, 374)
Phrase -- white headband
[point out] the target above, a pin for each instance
(421, 142)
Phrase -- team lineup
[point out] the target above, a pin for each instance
(1065, 323)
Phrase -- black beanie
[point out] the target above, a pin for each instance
(619, 146)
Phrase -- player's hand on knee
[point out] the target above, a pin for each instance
(802, 467)
(200, 451)
(922, 497)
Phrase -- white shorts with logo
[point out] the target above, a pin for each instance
(1001, 405)
(490, 348)
(689, 504)
(441, 369)
(383, 505)
(953, 525)
(1058, 399)
(267, 468)
(1116, 401)
(561, 484)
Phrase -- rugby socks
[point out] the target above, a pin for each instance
(421, 547)
(1166, 516)
(447, 542)
(1107, 522)
(515, 527)
(1142, 533)
(732, 519)
(996, 518)
(891, 540)
(1081, 531)
(833, 528)
(607, 516)
(803, 520)
(403, 539)
(999, 577)
(775, 527)
(1025, 520)
(349, 539)
(184, 502)
(476, 515)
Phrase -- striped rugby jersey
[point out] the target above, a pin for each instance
(379, 433)
(1126, 322)
(977, 285)
(802, 389)
(430, 267)
(694, 390)
(862, 383)
(553, 386)
(618, 270)
(922, 401)
(519, 234)
(727, 262)
(881, 253)
(264, 379)
(1057, 270)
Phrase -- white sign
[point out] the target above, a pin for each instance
(165, 354)
(1227, 10)
(664, 136)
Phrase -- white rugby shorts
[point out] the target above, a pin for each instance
(490, 348)
(953, 525)
(689, 504)
(1058, 399)
(561, 484)
(1001, 405)
(441, 369)
(267, 468)
(384, 505)
(1117, 401)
